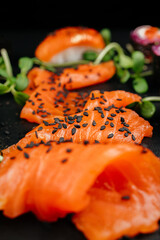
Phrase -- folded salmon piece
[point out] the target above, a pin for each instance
(48, 101)
(125, 199)
(72, 78)
(114, 189)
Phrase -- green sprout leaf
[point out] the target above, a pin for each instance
(147, 109)
(125, 77)
(25, 64)
(90, 55)
(125, 61)
(140, 85)
(20, 97)
(3, 73)
(138, 61)
(21, 82)
(106, 34)
(3, 89)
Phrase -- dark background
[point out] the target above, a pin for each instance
(47, 14)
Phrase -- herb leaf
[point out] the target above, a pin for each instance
(147, 109)
(20, 97)
(21, 82)
(3, 89)
(138, 61)
(140, 85)
(25, 64)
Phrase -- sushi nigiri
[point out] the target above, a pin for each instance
(143, 37)
(68, 44)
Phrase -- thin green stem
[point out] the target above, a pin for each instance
(66, 64)
(7, 62)
(152, 99)
(143, 74)
(110, 46)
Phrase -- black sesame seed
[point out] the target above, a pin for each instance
(126, 197)
(85, 114)
(61, 139)
(133, 137)
(59, 126)
(54, 131)
(19, 148)
(70, 121)
(122, 119)
(103, 127)
(64, 160)
(40, 128)
(110, 118)
(121, 129)
(112, 124)
(68, 150)
(77, 125)
(33, 112)
(86, 142)
(102, 115)
(94, 123)
(110, 135)
(46, 123)
(36, 134)
(49, 149)
(113, 114)
(26, 155)
(85, 124)
(126, 134)
(96, 141)
(106, 123)
(79, 119)
(73, 131)
(64, 125)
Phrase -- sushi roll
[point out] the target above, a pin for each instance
(143, 37)
(156, 62)
(68, 44)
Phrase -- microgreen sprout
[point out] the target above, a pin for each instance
(145, 108)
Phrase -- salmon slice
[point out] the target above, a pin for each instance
(102, 125)
(37, 77)
(125, 199)
(48, 100)
(119, 98)
(68, 44)
(72, 78)
(113, 188)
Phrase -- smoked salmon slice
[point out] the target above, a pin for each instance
(125, 199)
(72, 78)
(68, 44)
(47, 101)
(100, 125)
(114, 189)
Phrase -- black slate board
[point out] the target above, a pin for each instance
(12, 128)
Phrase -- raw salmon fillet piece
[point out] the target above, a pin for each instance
(72, 78)
(47, 101)
(125, 199)
(114, 189)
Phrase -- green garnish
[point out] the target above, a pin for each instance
(106, 34)
(140, 85)
(145, 108)
(13, 84)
